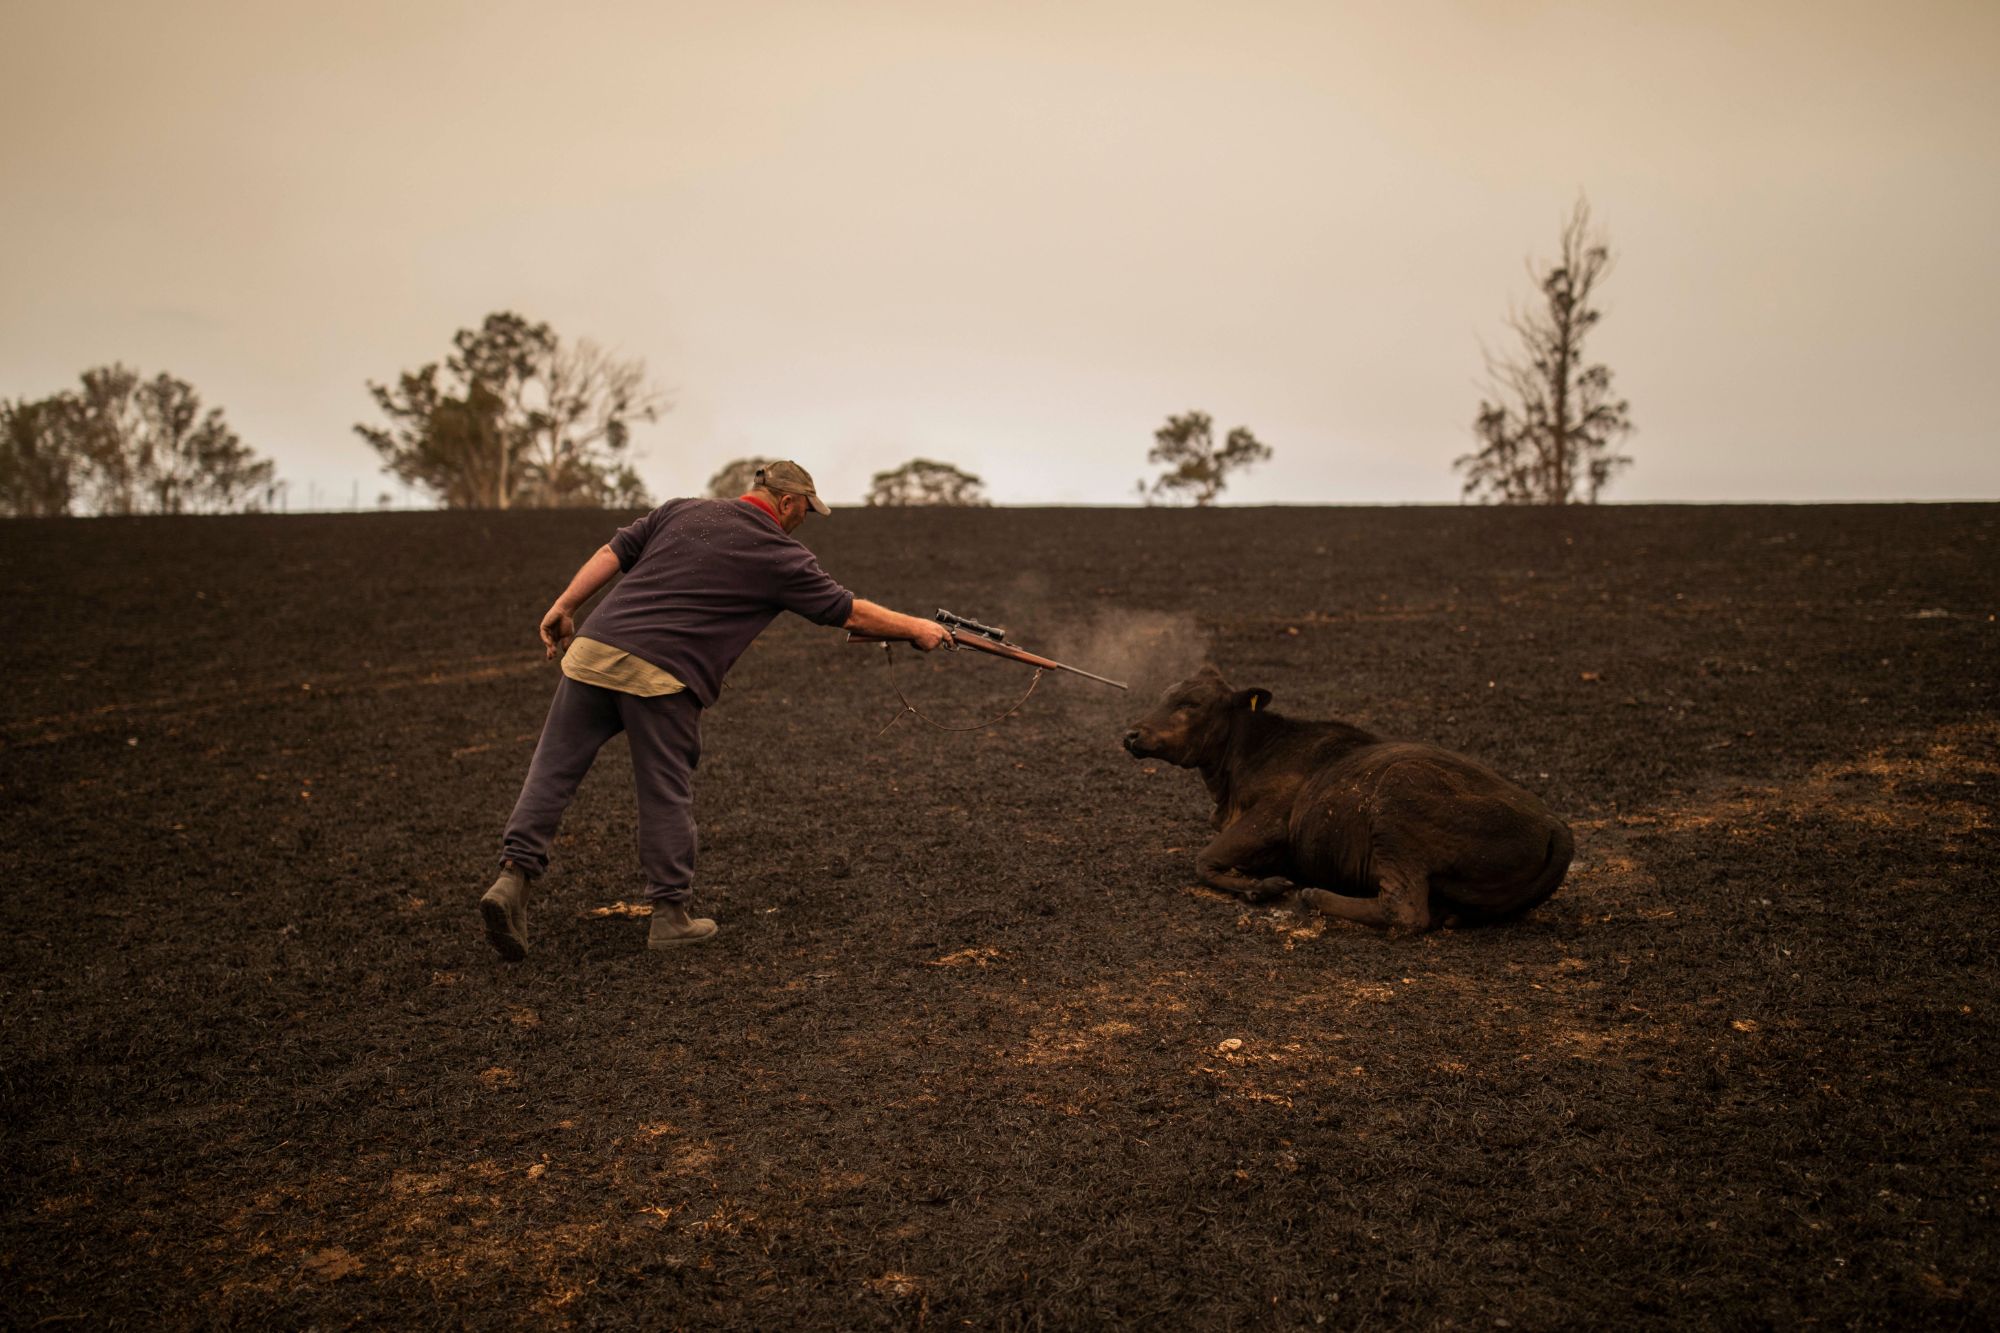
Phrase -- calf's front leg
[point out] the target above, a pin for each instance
(1242, 858)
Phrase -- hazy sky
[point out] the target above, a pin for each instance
(1017, 235)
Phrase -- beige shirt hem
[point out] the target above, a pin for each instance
(589, 662)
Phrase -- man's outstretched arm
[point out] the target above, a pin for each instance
(559, 624)
(869, 618)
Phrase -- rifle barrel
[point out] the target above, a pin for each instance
(1019, 654)
(1102, 680)
(1000, 648)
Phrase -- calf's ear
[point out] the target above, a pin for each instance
(1252, 699)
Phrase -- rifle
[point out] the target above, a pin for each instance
(964, 632)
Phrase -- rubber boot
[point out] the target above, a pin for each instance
(672, 927)
(505, 910)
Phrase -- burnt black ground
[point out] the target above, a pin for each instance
(965, 1048)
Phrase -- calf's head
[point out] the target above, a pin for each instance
(1190, 724)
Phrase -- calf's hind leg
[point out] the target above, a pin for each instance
(1402, 907)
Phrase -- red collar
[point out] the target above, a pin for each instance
(764, 505)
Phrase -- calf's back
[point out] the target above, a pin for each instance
(1479, 840)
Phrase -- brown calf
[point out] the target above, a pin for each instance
(1387, 833)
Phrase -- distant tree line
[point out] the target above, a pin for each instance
(925, 481)
(921, 481)
(736, 477)
(120, 443)
(514, 417)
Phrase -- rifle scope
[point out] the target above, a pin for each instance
(970, 626)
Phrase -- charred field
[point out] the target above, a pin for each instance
(971, 1048)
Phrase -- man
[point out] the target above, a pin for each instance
(702, 578)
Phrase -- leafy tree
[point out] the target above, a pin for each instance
(1548, 431)
(924, 481)
(736, 477)
(461, 452)
(515, 417)
(38, 463)
(184, 461)
(100, 417)
(1195, 467)
(133, 446)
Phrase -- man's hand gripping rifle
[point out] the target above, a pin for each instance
(965, 632)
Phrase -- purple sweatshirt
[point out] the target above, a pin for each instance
(702, 579)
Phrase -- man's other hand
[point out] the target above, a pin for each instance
(557, 630)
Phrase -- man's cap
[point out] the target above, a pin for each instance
(788, 478)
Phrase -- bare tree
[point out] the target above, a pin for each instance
(736, 477)
(515, 417)
(1195, 468)
(1548, 430)
(578, 440)
(924, 481)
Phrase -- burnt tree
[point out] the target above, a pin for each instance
(1549, 425)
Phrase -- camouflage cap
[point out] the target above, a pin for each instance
(788, 478)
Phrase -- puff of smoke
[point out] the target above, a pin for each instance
(1147, 649)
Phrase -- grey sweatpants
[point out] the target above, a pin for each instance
(665, 735)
